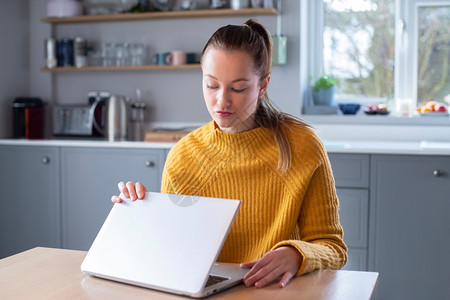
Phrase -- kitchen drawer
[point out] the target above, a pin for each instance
(353, 215)
(350, 170)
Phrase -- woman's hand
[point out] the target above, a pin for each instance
(282, 262)
(130, 190)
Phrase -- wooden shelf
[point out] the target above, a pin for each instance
(164, 15)
(122, 68)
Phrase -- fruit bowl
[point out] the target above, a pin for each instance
(434, 114)
(349, 108)
(380, 109)
(377, 112)
(433, 109)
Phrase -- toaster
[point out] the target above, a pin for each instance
(73, 120)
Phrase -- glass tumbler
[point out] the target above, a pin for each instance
(138, 121)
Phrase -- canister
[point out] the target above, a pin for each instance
(65, 52)
(50, 53)
(80, 52)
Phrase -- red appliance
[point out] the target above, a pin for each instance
(28, 118)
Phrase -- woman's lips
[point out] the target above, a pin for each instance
(223, 114)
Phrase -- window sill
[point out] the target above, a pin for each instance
(376, 120)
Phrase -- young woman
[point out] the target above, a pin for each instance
(274, 163)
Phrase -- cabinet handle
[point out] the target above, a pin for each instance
(149, 163)
(45, 160)
(438, 173)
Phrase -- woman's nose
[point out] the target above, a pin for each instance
(223, 99)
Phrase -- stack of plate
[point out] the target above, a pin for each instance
(64, 8)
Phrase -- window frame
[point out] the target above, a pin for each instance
(415, 5)
(406, 46)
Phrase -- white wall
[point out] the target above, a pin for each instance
(14, 62)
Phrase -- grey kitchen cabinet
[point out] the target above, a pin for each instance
(410, 226)
(89, 179)
(30, 187)
(353, 215)
(351, 174)
(350, 170)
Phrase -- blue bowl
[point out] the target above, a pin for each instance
(349, 108)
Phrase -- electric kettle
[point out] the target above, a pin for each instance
(116, 114)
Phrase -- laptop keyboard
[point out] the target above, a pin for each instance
(213, 279)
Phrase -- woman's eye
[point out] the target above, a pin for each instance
(211, 86)
(238, 90)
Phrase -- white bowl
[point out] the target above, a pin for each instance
(64, 8)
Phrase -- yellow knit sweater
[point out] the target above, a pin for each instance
(298, 208)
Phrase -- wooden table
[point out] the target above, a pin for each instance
(47, 273)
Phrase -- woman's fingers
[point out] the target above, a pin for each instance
(285, 279)
(116, 199)
(123, 189)
(140, 189)
(131, 191)
(283, 262)
(261, 273)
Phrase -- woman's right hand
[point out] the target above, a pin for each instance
(131, 191)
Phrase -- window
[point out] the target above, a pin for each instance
(433, 44)
(358, 48)
(380, 51)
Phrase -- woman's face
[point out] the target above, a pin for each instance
(231, 89)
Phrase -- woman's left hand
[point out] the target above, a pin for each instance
(282, 262)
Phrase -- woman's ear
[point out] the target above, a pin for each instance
(263, 86)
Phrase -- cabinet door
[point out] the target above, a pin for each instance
(357, 260)
(410, 226)
(350, 170)
(89, 179)
(29, 214)
(353, 215)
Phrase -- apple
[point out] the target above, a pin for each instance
(440, 108)
(381, 107)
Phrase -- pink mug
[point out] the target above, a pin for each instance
(176, 58)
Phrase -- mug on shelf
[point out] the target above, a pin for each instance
(176, 58)
(159, 58)
(192, 58)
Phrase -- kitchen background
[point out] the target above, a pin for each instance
(393, 196)
(172, 96)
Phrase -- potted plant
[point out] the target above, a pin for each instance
(323, 91)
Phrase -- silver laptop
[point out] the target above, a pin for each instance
(168, 243)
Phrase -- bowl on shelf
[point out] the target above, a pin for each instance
(64, 8)
(349, 108)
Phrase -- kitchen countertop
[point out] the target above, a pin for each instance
(87, 143)
(332, 146)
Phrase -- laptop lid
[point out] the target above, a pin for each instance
(165, 242)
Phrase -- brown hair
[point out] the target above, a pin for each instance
(253, 39)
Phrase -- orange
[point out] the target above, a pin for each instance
(426, 109)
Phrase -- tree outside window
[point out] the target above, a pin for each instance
(359, 49)
(433, 74)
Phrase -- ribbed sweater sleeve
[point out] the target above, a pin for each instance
(298, 208)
